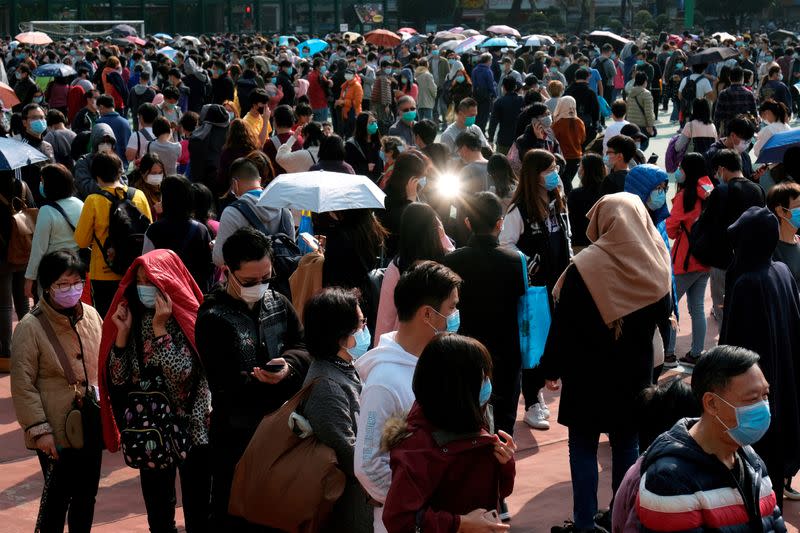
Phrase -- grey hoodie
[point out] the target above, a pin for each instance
(84, 181)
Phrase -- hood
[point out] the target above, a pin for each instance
(387, 352)
(641, 181)
(140, 89)
(408, 74)
(754, 238)
(99, 131)
(395, 431)
(398, 428)
(214, 114)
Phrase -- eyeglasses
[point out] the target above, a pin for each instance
(65, 286)
(362, 323)
(248, 284)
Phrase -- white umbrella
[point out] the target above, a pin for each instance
(470, 33)
(188, 38)
(469, 44)
(723, 36)
(450, 45)
(545, 39)
(322, 191)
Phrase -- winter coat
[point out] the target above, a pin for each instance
(39, 388)
(685, 489)
(679, 227)
(113, 85)
(426, 93)
(483, 83)
(505, 111)
(640, 107)
(317, 90)
(352, 94)
(438, 475)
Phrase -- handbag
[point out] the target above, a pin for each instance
(292, 467)
(82, 423)
(23, 224)
(605, 109)
(533, 319)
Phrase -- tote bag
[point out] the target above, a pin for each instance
(533, 316)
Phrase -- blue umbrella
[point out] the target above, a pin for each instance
(15, 154)
(52, 70)
(283, 40)
(163, 36)
(776, 146)
(168, 51)
(314, 46)
(499, 42)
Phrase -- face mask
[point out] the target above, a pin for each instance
(103, 147)
(409, 116)
(709, 188)
(451, 62)
(41, 190)
(795, 218)
(323, 70)
(434, 52)
(387, 71)
(767, 59)
(546, 121)
(657, 199)
(363, 339)
(460, 79)
(359, 62)
(640, 62)
(147, 295)
(231, 115)
(607, 161)
(154, 179)
(273, 81)
(382, 155)
(38, 99)
(680, 177)
(348, 77)
(551, 180)
(422, 182)
(469, 122)
(679, 66)
(68, 298)
(780, 78)
(485, 393)
(613, 56)
(752, 421)
(38, 126)
(372, 128)
(249, 295)
(741, 146)
(453, 321)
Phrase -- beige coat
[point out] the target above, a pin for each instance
(39, 388)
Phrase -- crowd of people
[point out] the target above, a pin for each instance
(173, 311)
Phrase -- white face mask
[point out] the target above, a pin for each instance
(104, 147)
(741, 146)
(154, 179)
(253, 294)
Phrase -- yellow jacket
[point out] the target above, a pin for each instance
(94, 223)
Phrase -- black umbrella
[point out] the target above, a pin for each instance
(782, 35)
(713, 55)
(602, 37)
(123, 30)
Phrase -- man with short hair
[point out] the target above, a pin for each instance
(618, 111)
(474, 174)
(60, 137)
(285, 83)
(505, 111)
(619, 152)
(222, 87)
(246, 186)
(118, 123)
(426, 298)
(141, 94)
(175, 79)
(740, 131)
(257, 117)
(733, 101)
(406, 117)
(35, 127)
(424, 134)
(25, 88)
(466, 113)
(242, 328)
(284, 119)
(586, 105)
(137, 144)
(703, 475)
(605, 66)
(703, 89)
(484, 88)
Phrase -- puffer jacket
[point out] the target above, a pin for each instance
(679, 226)
(640, 107)
(352, 95)
(685, 489)
(42, 396)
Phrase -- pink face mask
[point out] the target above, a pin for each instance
(68, 298)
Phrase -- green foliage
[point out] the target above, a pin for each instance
(603, 21)
(555, 21)
(642, 18)
(616, 25)
(663, 22)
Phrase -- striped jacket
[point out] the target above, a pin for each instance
(684, 489)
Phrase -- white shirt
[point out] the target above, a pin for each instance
(766, 133)
(702, 85)
(138, 141)
(613, 130)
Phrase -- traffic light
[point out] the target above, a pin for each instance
(248, 9)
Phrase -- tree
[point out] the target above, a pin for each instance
(663, 22)
(423, 11)
(642, 18)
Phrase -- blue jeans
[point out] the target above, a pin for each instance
(583, 469)
(693, 285)
(676, 109)
(320, 115)
(425, 113)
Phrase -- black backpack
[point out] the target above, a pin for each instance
(688, 96)
(126, 228)
(286, 254)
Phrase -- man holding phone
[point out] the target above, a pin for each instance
(250, 340)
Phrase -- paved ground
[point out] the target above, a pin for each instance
(542, 497)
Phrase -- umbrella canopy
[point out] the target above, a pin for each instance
(546, 39)
(322, 191)
(383, 38)
(776, 146)
(534, 40)
(602, 37)
(499, 42)
(123, 30)
(283, 40)
(723, 36)
(782, 35)
(416, 39)
(314, 46)
(450, 45)
(470, 33)
(444, 36)
(350, 36)
(502, 29)
(34, 37)
(7, 96)
(135, 40)
(713, 55)
(412, 31)
(163, 36)
(167, 51)
(457, 29)
(469, 44)
(15, 154)
(52, 70)
(189, 39)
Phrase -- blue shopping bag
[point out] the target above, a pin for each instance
(306, 226)
(533, 317)
(605, 109)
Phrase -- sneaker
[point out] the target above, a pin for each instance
(545, 409)
(689, 359)
(789, 493)
(603, 520)
(534, 417)
(505, 515)
(670, 361)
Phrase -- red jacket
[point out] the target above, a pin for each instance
(436, 478)
(316, 94)
(167, 272)
(679, 225)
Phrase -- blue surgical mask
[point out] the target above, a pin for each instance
(606, 161)
(452, 324)
(147, 295)
(382, 155)
(409, 116)
(372, 128)
(752, 421)
(41, 190)
(434, 52)
(486, 392)
(551, 180)
(679, 66)
(767, 59)
(421, 183)
(469, 122)
(363, 340)
(323, 70)
(640, 62)
(38, 126)
(658, 198)
(460, 79)
(387, 71)
(794, 221)
(273, 81)
(680, 177)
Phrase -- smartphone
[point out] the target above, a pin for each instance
(492, 516)
(272, 368)
(653, 158)
(310, 240)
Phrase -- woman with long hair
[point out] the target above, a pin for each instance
(503, 180)
(401, 190)
(363, 149)
(691, 276)
(592, 172)
(570, 133)
(331, 156)
(538, 225)
(422, 237)
(147, 177)
(699, 129)
(776, 116)
(239, 142)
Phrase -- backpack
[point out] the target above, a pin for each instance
(23, 223)
(705, 243)
(286, 253)
(126, 228)
(84, 253)
(688, 96)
